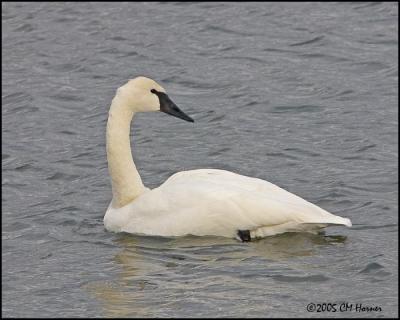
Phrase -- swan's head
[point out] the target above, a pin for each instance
(144, 94)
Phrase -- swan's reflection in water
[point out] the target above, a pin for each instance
(177, 276)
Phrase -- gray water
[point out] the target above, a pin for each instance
(303, 95)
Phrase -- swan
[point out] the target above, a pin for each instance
(199, 202)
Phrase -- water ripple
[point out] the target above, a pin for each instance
(313, 40)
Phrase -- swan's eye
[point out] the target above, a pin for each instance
(153, 91)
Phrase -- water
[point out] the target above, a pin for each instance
(301, 94)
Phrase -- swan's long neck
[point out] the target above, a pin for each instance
(126, 181)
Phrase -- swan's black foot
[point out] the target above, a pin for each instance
(244, 235)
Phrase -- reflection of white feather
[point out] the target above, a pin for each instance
(198, 202)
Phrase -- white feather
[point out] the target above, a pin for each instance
(217, 202)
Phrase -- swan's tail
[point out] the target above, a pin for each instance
(292, 226)
(333, 219)
(346, 222)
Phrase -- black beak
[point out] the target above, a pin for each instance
(169, 107)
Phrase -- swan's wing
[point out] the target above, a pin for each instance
(207, 202)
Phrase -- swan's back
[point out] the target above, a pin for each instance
(219, 202)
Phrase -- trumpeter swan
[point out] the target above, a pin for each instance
(198, 202)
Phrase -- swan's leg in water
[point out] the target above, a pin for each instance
(244, 235)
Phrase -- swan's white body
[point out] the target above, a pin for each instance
(198, 202)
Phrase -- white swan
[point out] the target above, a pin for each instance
(198, 202)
